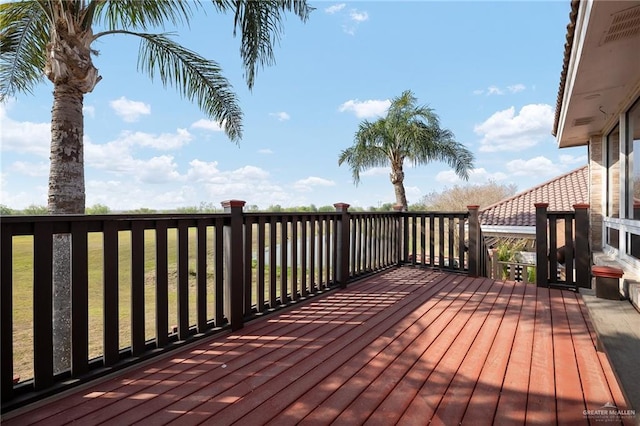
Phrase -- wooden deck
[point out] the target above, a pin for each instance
(408, 346)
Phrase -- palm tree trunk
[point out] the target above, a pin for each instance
(397, 179)
(66, 196)
(66, 175)
(401, 198)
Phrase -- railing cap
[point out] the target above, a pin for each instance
(341, 206)
(233, 203)
(580, 206)
(606, 271)
(473, 207)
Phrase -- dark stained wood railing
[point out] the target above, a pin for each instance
(572, 228)
(190, 275)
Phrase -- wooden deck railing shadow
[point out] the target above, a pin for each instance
(145, 284)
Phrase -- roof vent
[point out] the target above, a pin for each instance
(583, 121)
(624, 24)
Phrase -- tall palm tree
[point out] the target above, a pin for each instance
(54, 38)
(408, 132)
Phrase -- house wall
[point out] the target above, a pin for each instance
(597, 173)
(613, 176)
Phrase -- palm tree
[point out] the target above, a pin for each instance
(407, 132)
(54, 38)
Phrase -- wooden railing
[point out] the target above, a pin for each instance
(562, 257)
(513, 271)
(575, 271)
(144, 284)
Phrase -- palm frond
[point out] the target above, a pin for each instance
(140, 14)
(368, 150)
(260, 26)
(24, 35)
(196, 78)
(440, 145)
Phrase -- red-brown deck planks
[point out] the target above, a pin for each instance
(568, 396)
(454, 403)
(512, 402)
(410, 345)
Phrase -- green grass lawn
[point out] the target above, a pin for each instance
(23, 293)
(23, 290)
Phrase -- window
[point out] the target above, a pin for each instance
(613, 173)
(632, 178)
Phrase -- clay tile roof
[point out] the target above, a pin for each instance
(568, 45)
(561, 193)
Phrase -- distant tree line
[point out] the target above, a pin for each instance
(459, 197)
(456, 198)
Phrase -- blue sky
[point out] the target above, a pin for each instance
(490, 71)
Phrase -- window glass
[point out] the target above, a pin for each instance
(613, 237)
(633, 163)
(633, 248)
(613, 173)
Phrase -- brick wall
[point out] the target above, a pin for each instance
(596, 191)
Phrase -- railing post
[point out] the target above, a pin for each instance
(474, 241)
(542, 260)
(6, 313)
(343, 250)
(583, 254)
(234, 265)
(403, 234)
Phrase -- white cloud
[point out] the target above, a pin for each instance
(110, 193)
(281, 116)
(249, 183)
(305, 185)
(30, 169)
(376, 171)
(24, 137)
(117, 157)
(516, 88)
(208, 172)
(351, 20)
(130, 111)
(413, 193)
(200, 171)
(89, 111)
(366, 109)
(506, 131)
(265, 151)
(478, 175)
(210, 125)
(157, 170)
(20, 199)
(357, 16)
(536, 167)
(493, 90)
(572, 159)
(163, 141)
(335, 8)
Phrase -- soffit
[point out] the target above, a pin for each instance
(603, 69)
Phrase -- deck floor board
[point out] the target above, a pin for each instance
(410, 345)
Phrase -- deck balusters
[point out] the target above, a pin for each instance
(260, 262)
